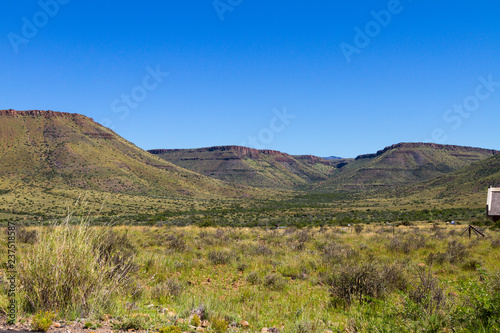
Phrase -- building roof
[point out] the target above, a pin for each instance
(493, 201)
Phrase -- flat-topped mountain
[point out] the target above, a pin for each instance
(248, 166)
(71, 150)
(402, 164)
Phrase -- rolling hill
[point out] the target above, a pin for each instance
(64, 150)
(251, 167)
(402, 164)
(471, 181)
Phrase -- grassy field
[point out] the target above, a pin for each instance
(416, 277)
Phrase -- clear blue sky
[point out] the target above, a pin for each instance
(234, 65)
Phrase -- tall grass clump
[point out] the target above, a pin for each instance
(68, 271)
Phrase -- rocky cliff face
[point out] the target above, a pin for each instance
(39, 113)
(311, 159)
(248, 166)
(238, 150)
(415, 145)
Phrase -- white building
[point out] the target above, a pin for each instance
(493, 203)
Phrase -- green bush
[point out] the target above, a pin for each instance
(42, 321)
(219, 324)
(195, 320)
(219, 257)
(365, 281)
(275, 282)
(253, 278)
(170, 329)
(481, 306)
(167, 290)
(137, 321)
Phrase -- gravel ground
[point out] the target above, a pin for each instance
(59, 327)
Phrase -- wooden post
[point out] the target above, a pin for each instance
(471, 229)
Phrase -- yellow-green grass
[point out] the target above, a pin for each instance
(280, 278)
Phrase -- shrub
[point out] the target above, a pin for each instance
(456, 251)
(65, 270)
(495, 243)
(336, 253)
(42, 321)
(482, 303)
(219, 257)
(137, 321)
(170, 329)
(175, 243)
(200, 311)
(91, 325)
(117, 250)
(407, 243)
(438, 258)
(365, 281)
(306, 327)
(253, 278)
(358, 228)
(195, 320)
(471, 265)
(242, 266)
(426, 293)
(219, 324)
(166, 290)
(27, 236)
(275, 282)
(261, 250)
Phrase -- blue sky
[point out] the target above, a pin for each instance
(323, 77)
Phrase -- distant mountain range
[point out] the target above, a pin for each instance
(72, 151)
(397, 165)
(251, 167)
(402, 164)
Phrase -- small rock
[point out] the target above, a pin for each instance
(244, 324)
(171, 313)
(179, 321)
(209, 280)
(205, 323)
(264, 330)
(57, 325)
(421, 264)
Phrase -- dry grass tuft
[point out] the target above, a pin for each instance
(65, 270)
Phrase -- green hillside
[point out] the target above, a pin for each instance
(402, 164)
(64, 150)
(251, 167)
(469, 182)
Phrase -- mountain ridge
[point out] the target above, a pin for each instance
(402, 164)
(71, 150)
(423, 144)
(249, 166)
